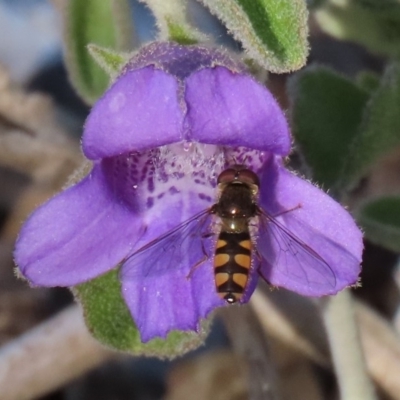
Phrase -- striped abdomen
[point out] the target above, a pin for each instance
(232, 264)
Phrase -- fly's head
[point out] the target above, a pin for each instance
(239, 175)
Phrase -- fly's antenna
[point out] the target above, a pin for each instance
(237, 157)
(231, 160)
(240, 158)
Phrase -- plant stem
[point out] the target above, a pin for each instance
(353, 380)
(249, 342)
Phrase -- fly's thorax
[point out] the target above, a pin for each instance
(234, 225)
(236, 200)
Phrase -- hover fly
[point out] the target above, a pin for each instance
(241, 233)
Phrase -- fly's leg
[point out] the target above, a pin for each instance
(286, 211)
(255, 224)
(204, 259)
(257, 259)
(195, 266)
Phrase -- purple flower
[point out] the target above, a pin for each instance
(158, 138)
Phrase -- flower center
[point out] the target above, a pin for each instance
(188, 169)
(195, 161)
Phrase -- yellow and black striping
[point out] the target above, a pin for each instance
(232, 263)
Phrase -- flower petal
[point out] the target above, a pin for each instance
(231, 109)
(77, 235)
(325, 256)
(181, 60)
(140, 111)
(168, 282)
(168, 185)
(172, 301)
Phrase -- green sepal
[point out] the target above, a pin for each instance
(379, 132)
(374, 24)
(105, 23)
(108, 319)
(273, 32)
(380, 219)
(172, 22)
(180, 33)
(110, 61)
(326, 111)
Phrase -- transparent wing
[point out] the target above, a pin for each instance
(185, 246)
(293, 263)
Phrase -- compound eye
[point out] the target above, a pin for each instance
(227, 176)
(248, 177)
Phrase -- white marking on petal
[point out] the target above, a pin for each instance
(117, 102)
(253, 159)
(183, 173)
(188, 158)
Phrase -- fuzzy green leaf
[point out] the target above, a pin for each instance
(104, 23)
(380, 219)
(273, 32)
(110, 322)
(326, 113)
(368, 81)
(374, 24)
(379, 132)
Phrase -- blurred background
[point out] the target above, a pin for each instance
(41, 121)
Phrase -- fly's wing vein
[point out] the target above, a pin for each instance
(180, 248)
(291, 256)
